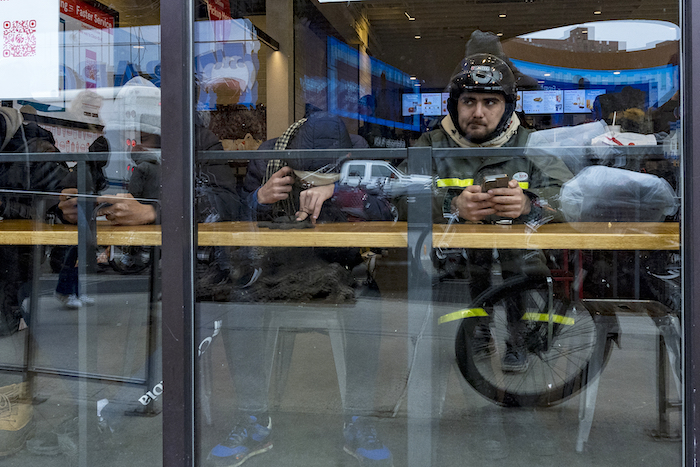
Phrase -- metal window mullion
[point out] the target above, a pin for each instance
(177, 220)
(690, 106)
(421, 391)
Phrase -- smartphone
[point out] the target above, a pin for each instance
(494, 181)
(98, 208)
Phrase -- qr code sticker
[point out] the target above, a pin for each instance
(19, 38)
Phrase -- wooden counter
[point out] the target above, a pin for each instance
(586, 236)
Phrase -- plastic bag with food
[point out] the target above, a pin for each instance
(572, 144)
(609, 194)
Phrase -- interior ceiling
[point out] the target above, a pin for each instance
(444, 26)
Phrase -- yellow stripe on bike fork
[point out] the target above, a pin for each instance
(559, 319)
(466, 313)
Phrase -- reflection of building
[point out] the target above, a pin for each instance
(654, 69)
(577, 42)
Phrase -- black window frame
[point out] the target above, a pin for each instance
(179, 230)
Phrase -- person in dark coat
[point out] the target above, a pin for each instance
(273, 190)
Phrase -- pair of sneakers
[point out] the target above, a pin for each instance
(253, 435)
(73, 301)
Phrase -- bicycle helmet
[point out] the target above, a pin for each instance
(483, 73)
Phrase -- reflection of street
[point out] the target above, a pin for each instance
(469, 426)
(116, 334)
(55, 328)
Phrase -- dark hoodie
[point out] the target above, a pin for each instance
(216, 195)
(322, 130)
(17, 136)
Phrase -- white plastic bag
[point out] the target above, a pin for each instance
(582, 145)
(572, 144)
(608, 194)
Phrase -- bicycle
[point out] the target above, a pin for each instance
(560, 339)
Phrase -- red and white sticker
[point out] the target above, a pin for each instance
(521, 177)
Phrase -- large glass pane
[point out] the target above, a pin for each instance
(437, 231)
(79, 183)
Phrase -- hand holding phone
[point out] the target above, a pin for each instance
(494, 181)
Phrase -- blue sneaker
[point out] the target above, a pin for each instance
(362, 442)
(247, 439)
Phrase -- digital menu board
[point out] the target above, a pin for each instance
(543, 102)
(580, 100)
(445, 96)
(431, 103)
(411, 104)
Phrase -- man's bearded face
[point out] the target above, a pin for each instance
(479, 113)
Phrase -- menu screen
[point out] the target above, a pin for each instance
(445, 96)
(411, 104)
(431, 103)
(543, 102)
(580, 100)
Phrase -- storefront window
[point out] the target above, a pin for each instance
(81, 365)
(372, 296)
(421, 233)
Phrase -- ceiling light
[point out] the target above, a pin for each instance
(597, 12)
(417, 85)
(412, 78)
(548, 74)
(417, 36)
(499, 34)
(410, 18)
(585, 31)
(502, 15)
(616, 72)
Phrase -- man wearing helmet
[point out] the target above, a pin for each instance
(482, 114)
(481, 110)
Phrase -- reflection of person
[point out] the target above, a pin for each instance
(141, 128)
(314, 275)
(43, 176)
(667, 114)
(138, 123)
(67, 289)
(18, 200)
(144, 184)
(481, 114)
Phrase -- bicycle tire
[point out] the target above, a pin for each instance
(559, 348)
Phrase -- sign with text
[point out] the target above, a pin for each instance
(219, 9)
(87, 14)
(30, 48)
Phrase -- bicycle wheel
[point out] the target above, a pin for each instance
(558, 346)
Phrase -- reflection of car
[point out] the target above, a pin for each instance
(380, 175)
